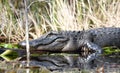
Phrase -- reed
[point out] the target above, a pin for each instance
(48, 15)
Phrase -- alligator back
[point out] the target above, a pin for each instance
(106, 36)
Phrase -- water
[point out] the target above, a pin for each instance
(62, 63)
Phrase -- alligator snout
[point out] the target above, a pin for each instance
(52, 43)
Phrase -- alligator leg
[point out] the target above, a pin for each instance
(92, 46)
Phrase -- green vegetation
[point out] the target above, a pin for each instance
(11, 46)
(9, 55)
(110, 50)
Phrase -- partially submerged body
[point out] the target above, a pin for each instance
(70, 41)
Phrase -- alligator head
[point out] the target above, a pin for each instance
(54, 41)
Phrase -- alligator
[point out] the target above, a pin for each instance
(74, 41)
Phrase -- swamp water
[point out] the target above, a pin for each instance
(62, 64)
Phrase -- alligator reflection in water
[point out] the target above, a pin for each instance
(61, 62)
(68, 62)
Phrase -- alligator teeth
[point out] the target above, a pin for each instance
(84, 49)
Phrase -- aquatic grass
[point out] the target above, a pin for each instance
(9, 55)
(111, 50)
(3, 45)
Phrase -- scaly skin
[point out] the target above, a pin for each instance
(68, 41)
